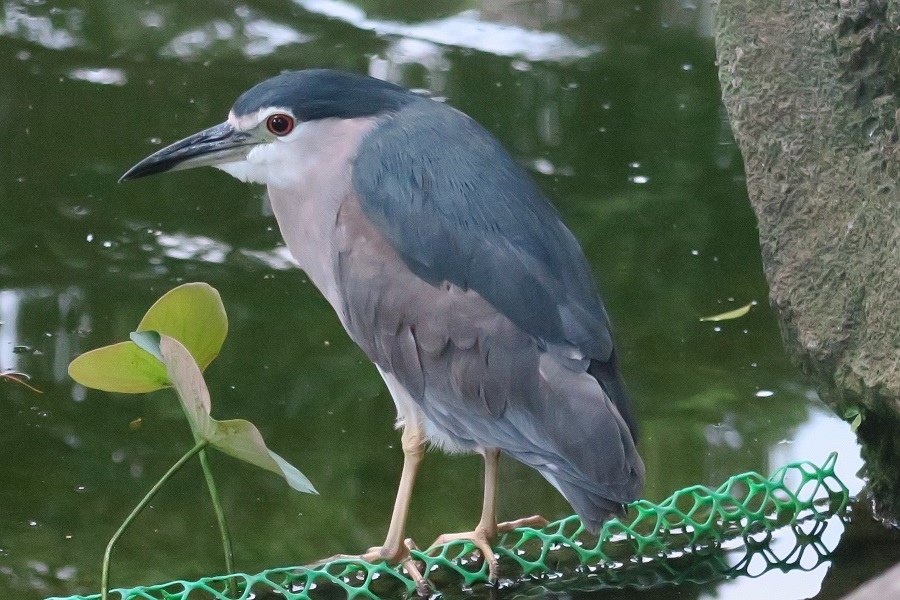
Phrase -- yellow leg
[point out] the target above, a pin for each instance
(485, 533)
(395, 549)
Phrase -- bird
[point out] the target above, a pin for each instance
(454, 274)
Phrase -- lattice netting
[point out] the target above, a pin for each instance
(642, 548)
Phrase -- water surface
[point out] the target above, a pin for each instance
(614, 107)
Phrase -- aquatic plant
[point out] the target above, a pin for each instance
(176, 340)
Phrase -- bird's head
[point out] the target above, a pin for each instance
(272, 124)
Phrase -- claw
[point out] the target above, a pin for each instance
(480, 538)
(392, 556)
(412, 568)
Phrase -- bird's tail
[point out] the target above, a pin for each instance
(593, 508)
(587, 451)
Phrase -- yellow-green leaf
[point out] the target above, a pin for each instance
(242, 440)
(121, 368)
(731, 314)
(194, 315)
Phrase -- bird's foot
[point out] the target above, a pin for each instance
(392, 555)
(482, 540)
(483, 537)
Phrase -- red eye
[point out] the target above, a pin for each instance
(280, 124)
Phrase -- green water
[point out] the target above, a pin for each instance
(615, 108)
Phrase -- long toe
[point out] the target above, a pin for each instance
(392, 556)
(481, 541)
(374, 555)
(534, 521)
(415, 573)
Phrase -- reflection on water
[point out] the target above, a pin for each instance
(257, 37)
(614, 106)
(465, 29)
(55, 28)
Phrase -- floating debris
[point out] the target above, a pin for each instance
(731, 314)
(20, 378)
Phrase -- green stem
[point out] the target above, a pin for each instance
(104, 586)
(220, 517)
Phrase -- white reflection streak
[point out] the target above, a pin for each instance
(102, 76)
(260, 37)
(186, 247)
(40, 29)
(279, 259)
(464, 30)
(265, 37)
(204, 249)
(407, 51)
(10, 301)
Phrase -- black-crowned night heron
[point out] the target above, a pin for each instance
(452, 272)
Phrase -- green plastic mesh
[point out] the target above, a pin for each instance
(683, 538)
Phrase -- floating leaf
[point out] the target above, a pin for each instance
(122, 367)
(731, 314)
(194, 315)
(237, 438)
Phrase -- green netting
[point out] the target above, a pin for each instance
(693, 525)
(802, 547)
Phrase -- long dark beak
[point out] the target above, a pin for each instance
(213, 146)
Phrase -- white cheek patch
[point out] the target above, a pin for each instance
(273, 164)
(262, 165)
(239, 170)
(316, 151)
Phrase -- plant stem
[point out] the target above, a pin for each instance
(220, 517)
(104, 586)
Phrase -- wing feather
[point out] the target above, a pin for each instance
(457, 208)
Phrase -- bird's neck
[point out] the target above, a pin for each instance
(308, 196)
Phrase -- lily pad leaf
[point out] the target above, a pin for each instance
(190, 387)
(242, 440)
(122, 367)
(731, 314)
(194, 315)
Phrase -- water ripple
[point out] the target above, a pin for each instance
(464, 30)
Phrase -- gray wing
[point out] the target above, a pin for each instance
(457, 208)
(479, 379)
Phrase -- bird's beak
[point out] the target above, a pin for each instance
(213, 146)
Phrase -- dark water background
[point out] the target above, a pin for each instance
(615, 108)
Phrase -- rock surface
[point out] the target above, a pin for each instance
(812, 88)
